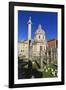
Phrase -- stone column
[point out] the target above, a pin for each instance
(41, 57)
(54, 54)
(51, 56)
(47, 58)
(29, 28)
(29, 46)
(41, 60)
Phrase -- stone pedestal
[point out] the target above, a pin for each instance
(30, 50)
(30, 58)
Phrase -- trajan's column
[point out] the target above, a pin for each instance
(29, 28)
(29, 47)
(29, 38)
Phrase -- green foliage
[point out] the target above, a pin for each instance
(50, 71)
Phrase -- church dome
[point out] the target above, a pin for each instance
(40, 30)
(40, 34)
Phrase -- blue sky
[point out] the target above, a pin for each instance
(48, 20)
